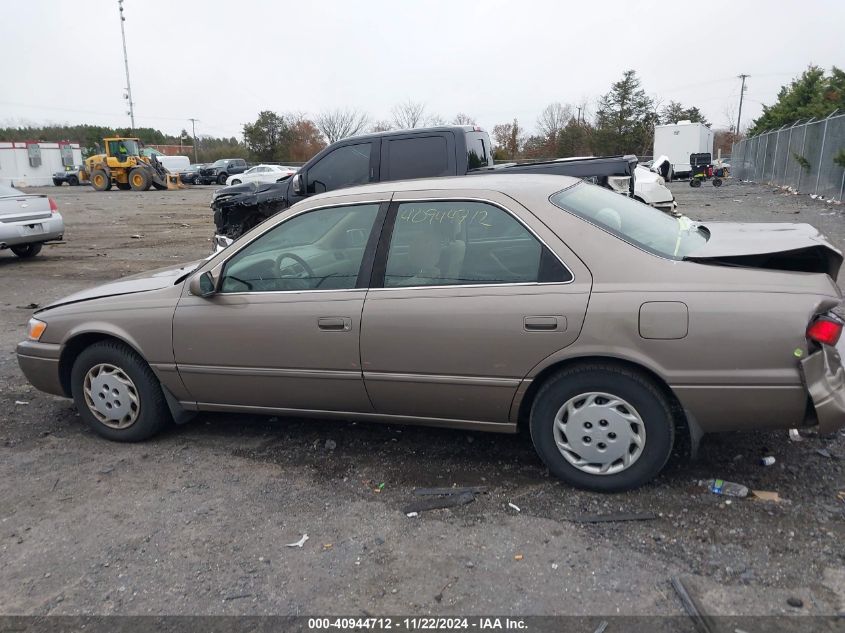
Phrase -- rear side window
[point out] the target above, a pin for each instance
(419, 157)
(477, 151)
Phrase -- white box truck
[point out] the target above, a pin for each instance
(677, 141)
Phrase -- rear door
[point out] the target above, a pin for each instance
(418, 156)
(467, 296)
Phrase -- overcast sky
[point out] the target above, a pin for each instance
(222, 61)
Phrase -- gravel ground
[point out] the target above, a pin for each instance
(196, 521)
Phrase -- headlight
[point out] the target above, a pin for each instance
(36, 329)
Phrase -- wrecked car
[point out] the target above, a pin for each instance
(608, 329)
(418, 153)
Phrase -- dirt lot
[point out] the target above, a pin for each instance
(197, 520)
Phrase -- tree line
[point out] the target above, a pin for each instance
(621, 121)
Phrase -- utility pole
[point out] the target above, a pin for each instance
(579, 114)
(128, 94)
(194, 134)
(741, 93)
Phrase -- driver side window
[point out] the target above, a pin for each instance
(316, 250)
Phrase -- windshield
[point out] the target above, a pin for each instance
(632, 221)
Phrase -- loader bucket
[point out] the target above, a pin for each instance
(173, 182)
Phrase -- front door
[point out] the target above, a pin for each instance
(283, 330)
(472, 300)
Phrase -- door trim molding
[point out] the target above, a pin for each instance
(336, 374)
(439, 379)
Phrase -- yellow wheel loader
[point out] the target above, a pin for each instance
(124, 166)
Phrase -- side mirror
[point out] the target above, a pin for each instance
(204, 285)
(298, 187)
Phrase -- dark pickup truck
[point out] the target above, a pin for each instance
(220, 170)
(417, 153)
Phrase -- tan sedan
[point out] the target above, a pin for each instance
(482, 302)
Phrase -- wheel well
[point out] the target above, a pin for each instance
(73, 348)
(681, 422)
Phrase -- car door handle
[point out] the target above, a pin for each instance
(334, 324)
(544, 323)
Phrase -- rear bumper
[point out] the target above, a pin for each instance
(30, 231)
(39, 362)
(824, 376)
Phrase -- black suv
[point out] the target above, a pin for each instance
(220, 170)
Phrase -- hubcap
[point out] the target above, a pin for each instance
(599, 433)
(111, 396)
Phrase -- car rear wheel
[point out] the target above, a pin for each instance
(25, 251)
(73, 181)
(117, 393)
(602, 427)
(57, 183)
(221, 179)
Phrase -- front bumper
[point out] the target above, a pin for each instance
(824, 377)
(31, 231)
(39, 362)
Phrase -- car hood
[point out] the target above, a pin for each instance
(779, 246)
(152, 280)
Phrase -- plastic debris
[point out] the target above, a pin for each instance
(21, 402)
(137, 236)
(299, 543)
(768, 460)
(795, 436)
(518, 557)
(727, 488)
(824, 452)
(514, 507)
(411, 515)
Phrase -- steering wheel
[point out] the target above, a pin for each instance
(309, 272)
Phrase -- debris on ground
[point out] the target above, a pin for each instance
(795, 436)
(438, 503)
(602, 627)
(137, 236)
(457, 490)
(727, 488)
(29, 306)
(21, 402)
(411, 515)
(792, 601)
(379, 488)
(514, 507)
(518, 557)
(768, 460)
(765, 495)
(299, 543)
(331, 445)
(824, 452)
(611, 518)
(691, 606)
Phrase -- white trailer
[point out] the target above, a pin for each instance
(678, 141)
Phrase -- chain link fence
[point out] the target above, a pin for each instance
(806, 156)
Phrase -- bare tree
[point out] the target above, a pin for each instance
(508, 138)
(435, 120)
(341, 123)
(463, 119)
(553, 119)
(409, 114)
(381, 126)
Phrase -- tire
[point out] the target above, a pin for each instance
(221, 179)
(109, 366)
(717, 182)
(140, 179)
(123, 186)
(72, 181)
(100, 180)
(644, 413)
(57, 183)
(236, 182)
(695, 182)
(25, 251)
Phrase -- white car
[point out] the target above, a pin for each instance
(261, 173)
(650, 188)
(28, 220)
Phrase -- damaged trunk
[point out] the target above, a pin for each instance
(786, 247)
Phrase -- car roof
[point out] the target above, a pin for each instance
(508, 184)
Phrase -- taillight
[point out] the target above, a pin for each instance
(825, 330)
(53, 206)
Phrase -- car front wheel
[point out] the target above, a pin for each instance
(602, 427)
(117, 393)
(221, 179)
